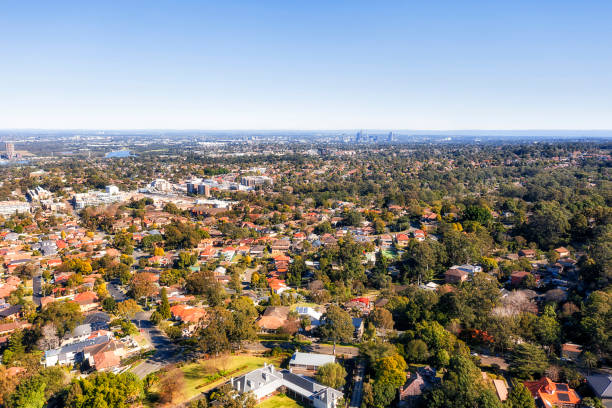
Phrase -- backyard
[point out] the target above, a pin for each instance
(205, 375)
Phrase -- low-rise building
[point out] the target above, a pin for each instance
(265, 381)
(551, 394)
(309, 363)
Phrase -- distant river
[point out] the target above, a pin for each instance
(118, 154)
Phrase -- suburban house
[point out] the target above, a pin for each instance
(362, 304)
(501, 389)
(416, 385)
(562, 252)
(278, 286)
(309, 363)
(516, 278)
(105, 356)
(280, 246)
(312, 314)
(419, 235)
(86, 300)
(527, 253)
(273, 318)
(79, 333)
(571, 351)
(189, 315)
(601, 385)
(266, 381)
(551, 394)
(402, 240)
(359, 327)
(386, 240)
(455, 276)
(71, 353)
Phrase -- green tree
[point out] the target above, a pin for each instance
(519, 397)
(550, 224)
(244, 315)
(296, 270)
(128, 309)
(462, 387)
(421, 260)
(382, 318)
(547, 328)
(390, 373)
(528, 361)
(29, 394)
(164, 305)
(416, 351)
(105, 390)
(331, 374)
(337, 326)
(478, 213)
(596, 321)
(65, 316)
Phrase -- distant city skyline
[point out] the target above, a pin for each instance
(449, 66)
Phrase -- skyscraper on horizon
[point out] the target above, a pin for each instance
(10, 149)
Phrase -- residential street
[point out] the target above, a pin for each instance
(113, 289)
(36, 287)
(165, 351)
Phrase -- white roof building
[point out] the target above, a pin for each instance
(266, 380)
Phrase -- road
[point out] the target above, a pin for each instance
(347, 351)
(166, 352)
(358, 385)
(36, 287)
(261, 347)
(113, 289)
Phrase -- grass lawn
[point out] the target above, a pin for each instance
(280, 401)
(196, 373)
(304, 304)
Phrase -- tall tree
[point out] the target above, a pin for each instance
(65, 316)
(337, 326)
(528, 361)
(164, 305)
(520, 397)
(29, 394)
(331, 374)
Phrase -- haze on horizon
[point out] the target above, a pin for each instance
(276, 65)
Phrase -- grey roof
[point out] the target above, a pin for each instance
(303, 386)
(311, 359)
(601, 384)
(76, 347)
(81, 330)
(8, 311)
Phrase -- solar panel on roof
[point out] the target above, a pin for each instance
(562, 387)
(563, 396)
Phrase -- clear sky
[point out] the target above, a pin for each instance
(181, 64)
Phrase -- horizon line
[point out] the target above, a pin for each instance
(315, 129)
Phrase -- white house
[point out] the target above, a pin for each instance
(266, 380)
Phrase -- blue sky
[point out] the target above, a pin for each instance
(306, 64)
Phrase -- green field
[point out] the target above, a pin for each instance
(280, 401)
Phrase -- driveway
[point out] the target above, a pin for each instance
(358, 385)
